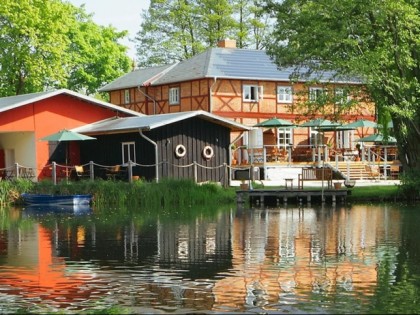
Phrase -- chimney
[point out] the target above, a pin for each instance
(227, 43)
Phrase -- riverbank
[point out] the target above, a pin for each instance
(174, 194)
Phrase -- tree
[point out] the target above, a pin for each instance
(48, 44)
(96, 57)
(377, 40)
(175, 30)
(33, 42)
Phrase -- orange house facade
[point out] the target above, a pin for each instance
(247, 87)
(25, 119)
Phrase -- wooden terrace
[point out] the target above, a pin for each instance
(277, 196)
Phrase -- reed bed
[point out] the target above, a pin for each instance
(167, 194)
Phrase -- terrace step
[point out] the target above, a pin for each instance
(354, 170)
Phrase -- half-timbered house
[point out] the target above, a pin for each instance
(245, 86)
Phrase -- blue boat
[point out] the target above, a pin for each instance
(44, 199)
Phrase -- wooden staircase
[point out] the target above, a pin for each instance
(356, 170)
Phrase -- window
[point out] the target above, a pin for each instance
(284, 94)
(316, 94)
(126, 96)
(315, 137)
(341, 96)
(284, 137)
(252, 93)
(174, 96)
(128, 152)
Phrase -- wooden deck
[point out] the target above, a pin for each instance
(276, 196)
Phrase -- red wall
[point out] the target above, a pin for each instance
(50, 115)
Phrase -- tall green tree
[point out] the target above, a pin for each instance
(95, 56)
(168, 33)
(48, 44)
(33, 41)
(175, 30)
(377, 40)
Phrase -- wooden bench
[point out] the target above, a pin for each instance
(315, 174)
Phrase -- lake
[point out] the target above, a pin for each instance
(321, 259)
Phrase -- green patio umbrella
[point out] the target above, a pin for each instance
(275, 123)
(362, 123)
(319, 123)
(66, 135)
(377, 138)
(335, 128)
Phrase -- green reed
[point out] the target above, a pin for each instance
(167, 194)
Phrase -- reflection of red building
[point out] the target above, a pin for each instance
(37, 273)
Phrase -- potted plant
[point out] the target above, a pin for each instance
(233, 150)
(244, 185)
(337, 185)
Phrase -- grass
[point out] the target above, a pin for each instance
(375, 193)
(167, 194)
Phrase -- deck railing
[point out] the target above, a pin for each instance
(248, 162)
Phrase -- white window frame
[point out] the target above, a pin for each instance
(174, 96)
(315, 93)
(341, 97)
(284, 137)
(252, 93)
(127, 98)
(128, 152)
(284, 94)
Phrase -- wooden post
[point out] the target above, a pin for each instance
(130, 171)
(54, 173)
(91, 171)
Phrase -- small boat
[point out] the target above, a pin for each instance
(44, 199)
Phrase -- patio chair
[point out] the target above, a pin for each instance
(113, 172)
(79, 173)
(394, 171)
(373, 171)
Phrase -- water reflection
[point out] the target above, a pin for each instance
(340, 260)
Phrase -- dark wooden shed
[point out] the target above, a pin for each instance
(192, 145)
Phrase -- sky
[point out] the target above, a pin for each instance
(122, 14)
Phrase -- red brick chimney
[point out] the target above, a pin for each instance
(227, 43)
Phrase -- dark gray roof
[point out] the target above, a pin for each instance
(133, 124)
(136, 78)
(10, 102)
(227, 63)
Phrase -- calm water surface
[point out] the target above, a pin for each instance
(356, 259)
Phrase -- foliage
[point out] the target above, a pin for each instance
(410, 184)
(52, 44)
(168, 194)
(375, 193)
(376, 40)
(176, 30)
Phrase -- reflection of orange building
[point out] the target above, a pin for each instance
(37, 273)
(290, 255)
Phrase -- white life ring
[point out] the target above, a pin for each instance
(208, 152)
(180, 151)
